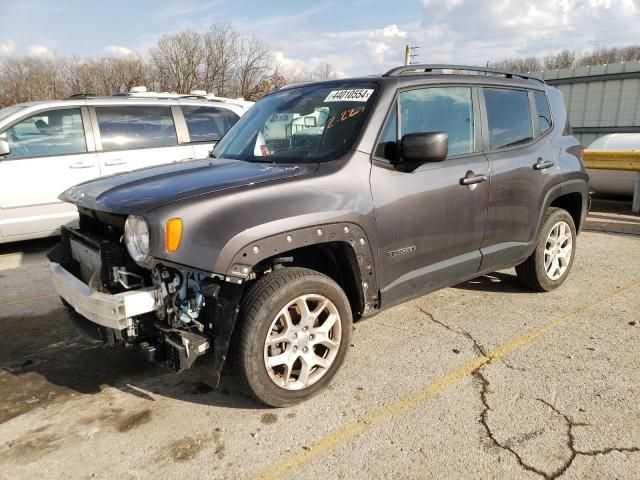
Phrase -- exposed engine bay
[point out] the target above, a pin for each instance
(192, 312)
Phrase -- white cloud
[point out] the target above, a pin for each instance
(465, 32)
(7, 47)
(118, 50)
(38, 51)
(496, 29)
(393, 31)
(289, 65)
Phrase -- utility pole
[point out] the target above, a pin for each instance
(407, 54)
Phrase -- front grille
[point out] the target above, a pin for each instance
(93, 227)
(101, 233)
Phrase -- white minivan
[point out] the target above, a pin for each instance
(49, 146)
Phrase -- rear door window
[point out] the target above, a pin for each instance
(509, 117)
(208, 124)
(544, 113)
(127, 127)
(49, 133)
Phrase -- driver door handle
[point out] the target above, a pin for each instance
(543, 164)
(117, 161)
(471, 179)
(82, 165)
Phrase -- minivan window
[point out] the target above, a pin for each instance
(126, 127)
(208, 124)
(509, 117)
(544, 113)
(49, 133)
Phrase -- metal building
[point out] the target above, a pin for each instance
(600, 99)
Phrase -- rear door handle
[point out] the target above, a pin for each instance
(543, 164)
(82, 165)
(118, 161)
(471, 179)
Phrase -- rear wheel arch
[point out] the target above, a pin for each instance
(571, 202)
(572, 196)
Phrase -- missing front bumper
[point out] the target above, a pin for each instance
(108, 310)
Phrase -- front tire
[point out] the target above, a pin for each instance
(548, 266)
(294, 331)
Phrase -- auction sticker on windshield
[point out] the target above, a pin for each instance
(353, 95)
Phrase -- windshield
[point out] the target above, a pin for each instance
(311, 123)
(5, 112)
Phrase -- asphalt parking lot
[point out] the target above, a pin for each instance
(483, 380)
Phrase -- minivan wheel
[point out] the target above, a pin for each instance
(294, 329)
(549, 265)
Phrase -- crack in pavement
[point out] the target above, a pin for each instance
(484, 422)
(479, 350)
(484, 383)
(571, 442)
(484, 391)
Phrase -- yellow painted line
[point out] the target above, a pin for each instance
(27, 300)
(334, 439)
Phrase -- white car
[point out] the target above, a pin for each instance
(49, 146)
(614, 182)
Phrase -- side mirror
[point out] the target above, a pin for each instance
(422, 147)
(5, 149)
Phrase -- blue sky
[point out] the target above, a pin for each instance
(361, 36)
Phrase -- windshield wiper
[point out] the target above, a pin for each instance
(258, 160)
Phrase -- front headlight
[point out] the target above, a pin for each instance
(136, 238)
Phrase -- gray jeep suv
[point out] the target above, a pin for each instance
(324, 204)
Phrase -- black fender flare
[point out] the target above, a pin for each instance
(563, 188)
(568, 186)
(353, 235)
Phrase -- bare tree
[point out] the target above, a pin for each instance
(30, 78)
(177, 60)
(221, 61)
(571, 59)
(564, 59)
(629, 54)
(526, 64)
(326, 71)
(219, 58)
(253, 64)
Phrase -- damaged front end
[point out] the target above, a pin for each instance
(176, 316)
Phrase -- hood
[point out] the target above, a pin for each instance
(140, 191)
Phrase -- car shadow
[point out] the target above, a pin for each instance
(499, 282)
(43, 359)
(29, 247)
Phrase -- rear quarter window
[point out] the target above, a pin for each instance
(508, 116)
(544, 112)
(208, 124)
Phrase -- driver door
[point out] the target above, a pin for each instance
(50, 152)
(430, 226)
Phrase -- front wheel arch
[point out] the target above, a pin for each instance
(345, 244)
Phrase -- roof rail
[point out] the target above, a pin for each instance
(77, 96)
(427, 68)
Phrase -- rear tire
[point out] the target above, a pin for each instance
(294, 331)
(548, 266)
